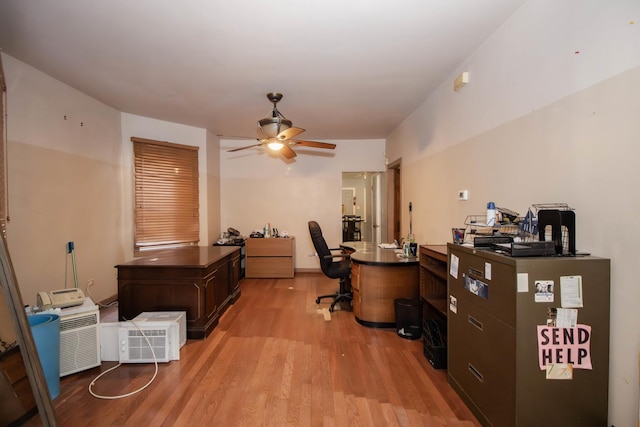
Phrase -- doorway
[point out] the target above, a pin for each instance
(394, 188)
(364, 196)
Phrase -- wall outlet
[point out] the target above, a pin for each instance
(463, 195)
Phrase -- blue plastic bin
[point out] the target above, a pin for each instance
(45, 329)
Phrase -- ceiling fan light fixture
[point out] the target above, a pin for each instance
(272, 126)
(275, 145)
(277, 132)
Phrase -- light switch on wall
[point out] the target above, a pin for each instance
(463, 195)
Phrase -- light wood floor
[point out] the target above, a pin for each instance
(273, 360)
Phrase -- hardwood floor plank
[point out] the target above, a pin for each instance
(340, 405)
(389, 414)
(364, 412)
(274, 360)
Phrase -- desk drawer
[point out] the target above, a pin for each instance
(270, 247)
(269, 267)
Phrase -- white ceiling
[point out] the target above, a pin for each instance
(348, 69)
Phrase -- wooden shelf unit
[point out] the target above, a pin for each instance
(270, 257)
(433, 280)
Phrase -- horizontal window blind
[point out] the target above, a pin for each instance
(166, 194)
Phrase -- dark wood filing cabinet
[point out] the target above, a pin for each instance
(497, 305)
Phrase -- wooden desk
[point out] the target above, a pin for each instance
(201, 280)
(270, 257)
(378, 277)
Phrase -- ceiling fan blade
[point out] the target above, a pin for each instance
(314, 144)
(287, 152)
(246, 146)
(290, 133)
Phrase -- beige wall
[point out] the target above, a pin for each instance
(550, 118)
(550, 114)
(64, 184)
(583, 151)
(213, 188)
(257, 188)
(70, 179)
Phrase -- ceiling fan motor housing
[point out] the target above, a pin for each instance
(272, 126)
(278, 133)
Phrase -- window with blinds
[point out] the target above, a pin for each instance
(166, 194)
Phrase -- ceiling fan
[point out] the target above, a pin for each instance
(278, 133)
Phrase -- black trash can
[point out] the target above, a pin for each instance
(409, 318)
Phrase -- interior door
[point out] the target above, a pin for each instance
(364, 195)
(348, 200)
(376, 212)
(394, 201)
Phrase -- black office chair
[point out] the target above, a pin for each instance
(333, 265)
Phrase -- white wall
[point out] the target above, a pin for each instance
(64, 184)
(550, 114)
(257, 188)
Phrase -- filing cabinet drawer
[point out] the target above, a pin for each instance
(481, 360)
(489, 285)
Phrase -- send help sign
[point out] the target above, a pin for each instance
(564, 345)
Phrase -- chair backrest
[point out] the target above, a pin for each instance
(320, 245)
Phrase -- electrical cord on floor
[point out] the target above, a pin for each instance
(90, 283)
(155, 361)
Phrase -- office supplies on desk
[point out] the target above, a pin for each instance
(488, 241)
(388, 245)
(563, 229)
(524, 249)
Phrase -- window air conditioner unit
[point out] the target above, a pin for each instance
(145, 344)
(124, 341)
(178, 321)
(79, 337)
(79, 342)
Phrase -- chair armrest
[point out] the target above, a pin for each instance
(343, 256)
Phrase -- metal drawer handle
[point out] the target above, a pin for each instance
(476, 373)
(475, 322)
(474, 272)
